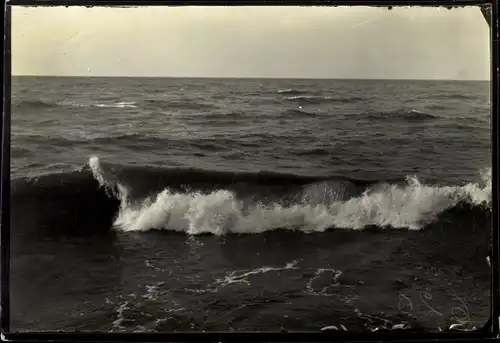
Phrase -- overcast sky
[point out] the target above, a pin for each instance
(326, 42)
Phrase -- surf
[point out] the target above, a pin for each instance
(102, 197)
(313, 205)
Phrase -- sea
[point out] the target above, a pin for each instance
(184, 204)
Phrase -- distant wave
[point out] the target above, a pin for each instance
(40, 104)
(33, 104)
(199, 202)
(121, 104)
(135, 141)
(289, 91)
(438, 107)
(312, 152)
(295, 112)
(402, 114)
(218, 116)
(313, 99)
(77, 138)
(17, 151)
(458, 96)
(186, 104)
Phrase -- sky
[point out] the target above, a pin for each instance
(275, 42)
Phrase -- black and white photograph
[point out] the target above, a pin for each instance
(242, 169)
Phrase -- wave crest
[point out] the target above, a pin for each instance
(289, 91)
(312, 207)
(402, 114)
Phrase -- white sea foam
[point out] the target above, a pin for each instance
(122, 104)
(235, 277)
(305, 97)
(287, 90)
(409, 206)
(332, 277)
(120, 316)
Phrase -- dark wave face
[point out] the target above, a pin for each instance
(59, 204)
(454, 96)
(77, 191)
(153, 205)
(188, 200)
(404, 115)
(33, 104)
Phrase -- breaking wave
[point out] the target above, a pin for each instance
(306, 206)
(142, 198)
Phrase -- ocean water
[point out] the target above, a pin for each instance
(152, 205)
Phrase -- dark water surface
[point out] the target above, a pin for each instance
(205, 204)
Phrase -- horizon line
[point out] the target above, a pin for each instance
(249, 78)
